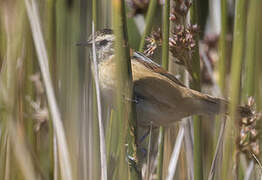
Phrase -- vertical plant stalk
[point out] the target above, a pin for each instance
(94, 120)
(160, 154)
(165, 45)
(232, 127)
(148, 153)
(249, 170)
(258, 55)
(189, 146)
(215, 170)
(125, 115)
(65, 165)
(51, 48)
(103, 153)
(165, 58)
(93, 134)
(250, 48)
(99, 111)
(19, 146)
(218, 153)
(196, 85)
(55, 159)
(13, 87)
(94, 13)
(222, 45)
(149, 22)
(195, 56)
(198, 165)
(7, 159)
(176, 150)
(258, 83)
(12, 132)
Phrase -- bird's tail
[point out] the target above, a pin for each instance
(213, 105)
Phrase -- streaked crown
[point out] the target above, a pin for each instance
(103, 40)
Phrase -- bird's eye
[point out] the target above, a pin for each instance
(103, 42)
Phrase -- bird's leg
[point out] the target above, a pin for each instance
(140, 141)
(144, 136)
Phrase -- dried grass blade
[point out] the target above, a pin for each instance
(175, 154)
(219, 151)
(63, 153)
(101, 128)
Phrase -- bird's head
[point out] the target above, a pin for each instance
(104, 44)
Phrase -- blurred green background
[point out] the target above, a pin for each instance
(228, 59)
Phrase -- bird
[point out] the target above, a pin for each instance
(160, 98)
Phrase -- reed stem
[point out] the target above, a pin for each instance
(149, 22)
(165, 58)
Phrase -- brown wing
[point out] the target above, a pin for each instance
(154, 84)
(155, 67)
(164, 93)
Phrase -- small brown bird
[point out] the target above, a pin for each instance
(160, 97)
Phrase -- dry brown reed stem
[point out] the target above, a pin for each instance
(63, 153)
(99, 111)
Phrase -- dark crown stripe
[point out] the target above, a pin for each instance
(106, 31)
(101, 33)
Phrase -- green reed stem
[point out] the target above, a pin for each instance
(165, 58)
(149, 22)
(196, 85)
(232, 126)
(160, 153)
(165, 45)
(258, 56)
(222, 46)
(250, 48)
(125, 113)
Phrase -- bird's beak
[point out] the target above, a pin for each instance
(84, 43)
